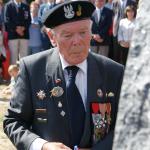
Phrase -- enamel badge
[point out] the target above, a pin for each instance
(57, 81)
(41, 94)
(111, 94)
(99, 93)
(57, 91)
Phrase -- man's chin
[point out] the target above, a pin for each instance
(76, 61)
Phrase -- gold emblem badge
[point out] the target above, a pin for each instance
(79, 13)
(111, 94)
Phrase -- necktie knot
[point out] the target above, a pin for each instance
(72, 71)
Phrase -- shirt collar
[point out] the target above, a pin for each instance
(98, 9)
(82, 66)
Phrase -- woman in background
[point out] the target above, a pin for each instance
(35, 43)
(126, 27)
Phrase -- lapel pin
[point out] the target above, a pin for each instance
(58, 81)
(59, 104)
(99, 93)
(57, 91)
(62, 113)
(110, 94)
(41, 94)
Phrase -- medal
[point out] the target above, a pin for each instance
(99, 93)
(62, 113)
(110, 94)
(41, 94)
(57, 91)
(59, 104)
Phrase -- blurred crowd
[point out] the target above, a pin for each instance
(22, 32)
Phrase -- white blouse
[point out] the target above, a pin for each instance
(125, 31)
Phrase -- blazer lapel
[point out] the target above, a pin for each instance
(56, 83)
(94, 82)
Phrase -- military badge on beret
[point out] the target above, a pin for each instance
(69, 12)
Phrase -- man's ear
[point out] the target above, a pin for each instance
(51, 37)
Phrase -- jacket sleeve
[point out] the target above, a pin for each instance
(28, 20)
(17, 121)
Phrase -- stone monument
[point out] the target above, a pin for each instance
(133, 122)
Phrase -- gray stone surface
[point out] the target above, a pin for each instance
(133, 122)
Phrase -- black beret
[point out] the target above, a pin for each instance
(68, 12)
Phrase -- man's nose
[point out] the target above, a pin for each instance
(76, 39)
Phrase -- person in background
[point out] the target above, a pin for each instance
(65, 97)
(17, 20)
(42, 10)
(109, 4)
(119, 9)
(126, 28)
(13, 71)
(1, 16)
(2, 56)
(35, 43)
(102, 21)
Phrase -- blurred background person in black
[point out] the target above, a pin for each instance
(17, 21)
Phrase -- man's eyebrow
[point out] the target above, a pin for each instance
(68, 32)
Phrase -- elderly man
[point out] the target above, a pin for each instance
(65, 97)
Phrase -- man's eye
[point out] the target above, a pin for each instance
(83, 32)
(67, 35)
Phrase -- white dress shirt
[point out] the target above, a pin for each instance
(99, 11)
(81, 83)
(125, 31)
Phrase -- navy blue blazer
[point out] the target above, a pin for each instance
(34, 108)
(14, 16)
(102, 27)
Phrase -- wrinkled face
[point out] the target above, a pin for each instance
(73, 40)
